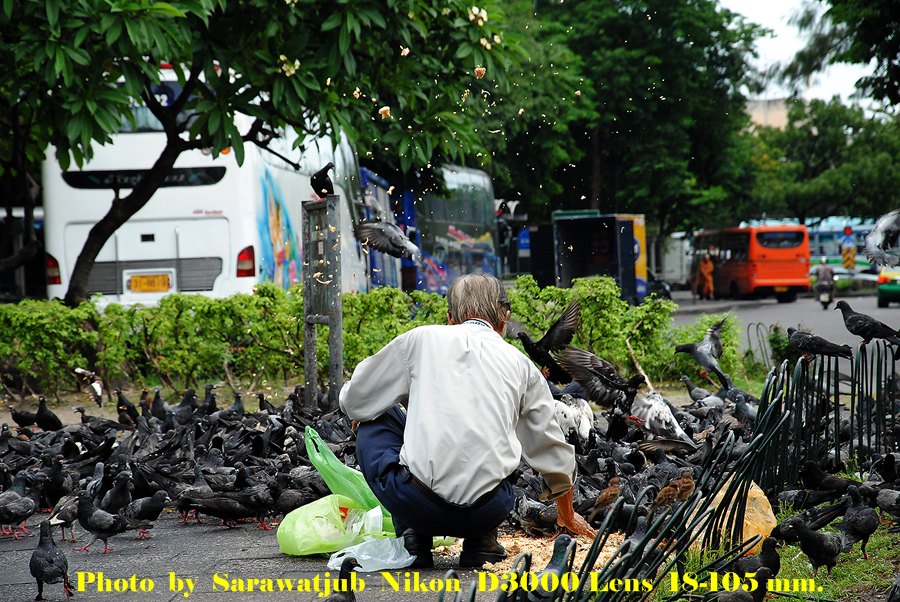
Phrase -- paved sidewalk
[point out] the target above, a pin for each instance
(197, 552)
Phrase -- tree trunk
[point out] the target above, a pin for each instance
(596, 167)
(120, 212)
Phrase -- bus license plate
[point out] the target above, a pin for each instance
(149, 283)
(781, 289)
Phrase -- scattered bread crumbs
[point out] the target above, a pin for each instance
(541, 549)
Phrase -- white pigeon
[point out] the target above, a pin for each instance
(883, 237)
(574, 414)
(654, 415)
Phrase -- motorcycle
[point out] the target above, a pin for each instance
(825, 294)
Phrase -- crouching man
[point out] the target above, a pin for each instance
(474, 406)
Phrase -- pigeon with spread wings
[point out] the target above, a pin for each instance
(555, 339)
(883, 237)
(387, 238)
(599, 378)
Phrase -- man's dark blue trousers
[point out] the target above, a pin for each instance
(412, 504)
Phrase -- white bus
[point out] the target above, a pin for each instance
(213, 228)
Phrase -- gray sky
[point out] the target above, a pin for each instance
(784, 43)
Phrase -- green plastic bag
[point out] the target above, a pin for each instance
(328, 525)
(342, 479)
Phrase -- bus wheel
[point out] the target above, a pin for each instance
(786, 297)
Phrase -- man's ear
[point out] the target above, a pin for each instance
(450, 319)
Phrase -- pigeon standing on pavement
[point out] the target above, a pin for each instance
(321, 182)
(387, 238)
(48, 564)
(348, 595)
(883, 237)
(866, 327)
(553, 571)
(101, 524)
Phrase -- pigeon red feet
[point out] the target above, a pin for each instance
(105, 549)
(143, 534)
(264, 526)
(67, 588)
(84, 549)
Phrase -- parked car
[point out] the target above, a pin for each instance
(888, 285)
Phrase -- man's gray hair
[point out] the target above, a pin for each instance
(478, 296)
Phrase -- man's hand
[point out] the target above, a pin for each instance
(571, 521)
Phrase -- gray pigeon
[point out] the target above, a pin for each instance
(883, 237)
(866, 327)
(809, 343)
(387, 238)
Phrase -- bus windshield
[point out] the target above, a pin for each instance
(780, 240)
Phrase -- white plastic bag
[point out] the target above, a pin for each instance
(375, 555)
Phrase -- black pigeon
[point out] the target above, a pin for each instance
(768, 557)
(158, 407)
(860, 522)
(883, 237)
(48, 564)
(119, 495)
(101, 524)
(321, 182)
(599, 378)
(893, 594)
(126, 407)
(822, 549)
(809, 343)
(23, 418)
(555, 339)
(866, 327)
(387, 238)
(559, 561)
(46, 419)
(814, 477)
(348, 595)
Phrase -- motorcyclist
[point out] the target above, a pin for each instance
(824, 280)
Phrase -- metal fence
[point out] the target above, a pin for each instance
(811, 411)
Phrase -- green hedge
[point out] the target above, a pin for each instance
(187, 340)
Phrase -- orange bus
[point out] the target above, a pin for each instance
(755, 261)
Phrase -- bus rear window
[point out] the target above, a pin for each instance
(780, 240)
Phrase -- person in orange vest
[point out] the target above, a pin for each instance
(705, 287)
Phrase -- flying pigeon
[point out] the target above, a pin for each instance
(599, 378)
(555, 339)
(321, 183)
(883, 237)
(866, 327)
(387, 238)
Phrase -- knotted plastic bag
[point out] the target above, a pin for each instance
(342, 479)
(328, 525)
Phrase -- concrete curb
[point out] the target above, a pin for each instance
(715, 307)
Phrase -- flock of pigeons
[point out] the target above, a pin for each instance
(234, 464)
(642, 439)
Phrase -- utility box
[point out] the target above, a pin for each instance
(589, 244)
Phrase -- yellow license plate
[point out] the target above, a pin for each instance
(781, 289)
(150, 283)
